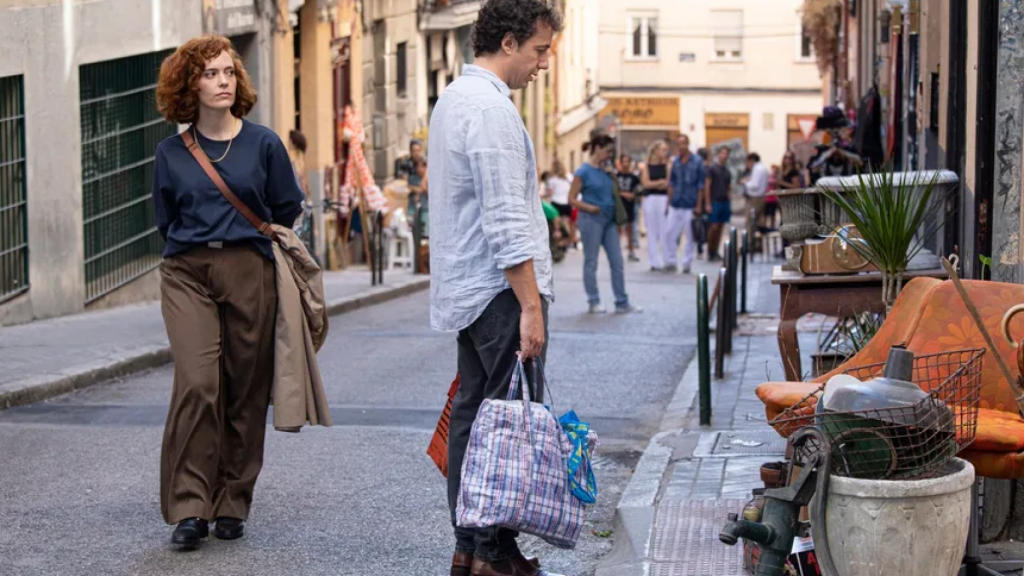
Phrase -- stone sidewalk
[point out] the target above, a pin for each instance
(46, 358)
(690, 477)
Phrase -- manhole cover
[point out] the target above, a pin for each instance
(686, 539)
(740, 443)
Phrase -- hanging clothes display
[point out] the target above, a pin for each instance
(868, 137)
(356, 162)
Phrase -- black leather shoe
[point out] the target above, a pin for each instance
(190, 532)
(229, 528)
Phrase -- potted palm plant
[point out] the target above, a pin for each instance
(893, 217)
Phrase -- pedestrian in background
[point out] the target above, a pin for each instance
(297, 152)
(686, 181)
(559, 184)
(419, 196)
(218, 287)
(654, 179)
(756, 186)
(594, 195)
(490, 259)
(406, 165)
(717, 202)
(629, 190)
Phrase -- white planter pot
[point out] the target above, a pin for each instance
(900, 527)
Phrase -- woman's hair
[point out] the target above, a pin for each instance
(598, 141)
(298, 140)
(545, 175)
(421, 161)
(558, 168)
(176, 95)
(654, 149)
(516, 17)
(788, 154)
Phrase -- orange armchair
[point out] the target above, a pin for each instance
(930, 317)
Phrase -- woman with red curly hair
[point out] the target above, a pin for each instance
(218, 291)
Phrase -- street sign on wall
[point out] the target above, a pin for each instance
(229, 17)
(651, 112)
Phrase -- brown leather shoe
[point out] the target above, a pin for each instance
(518, 566)
(462, 564)
(525, 563)
(512, 567)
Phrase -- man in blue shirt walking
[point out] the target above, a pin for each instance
(686, 180)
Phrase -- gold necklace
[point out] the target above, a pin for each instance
(196, 137)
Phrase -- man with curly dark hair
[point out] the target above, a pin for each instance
(490, 259)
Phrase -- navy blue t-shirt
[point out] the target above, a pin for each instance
(191, 211)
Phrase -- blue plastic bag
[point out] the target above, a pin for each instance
(581, 475)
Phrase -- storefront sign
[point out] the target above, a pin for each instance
(727, 120)
(229, 17)
(655, 112)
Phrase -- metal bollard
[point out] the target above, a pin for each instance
(379, 228)
(703, 350)
(370, 225)
(721, 331)
(734, 268)
(417, 238)
(743, 273)
(727, 301)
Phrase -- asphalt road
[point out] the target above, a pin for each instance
(79, 474)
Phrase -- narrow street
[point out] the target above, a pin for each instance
(80, 473)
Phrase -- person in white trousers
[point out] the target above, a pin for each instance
(654, 180)
(686, 181)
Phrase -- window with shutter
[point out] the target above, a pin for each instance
(728, 34)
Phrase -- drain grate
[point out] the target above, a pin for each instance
(740, 443)
(686, 539)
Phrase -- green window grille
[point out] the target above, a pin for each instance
(13, 203)
(120, 131)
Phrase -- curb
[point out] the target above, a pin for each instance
(635, 513)
(39, 388)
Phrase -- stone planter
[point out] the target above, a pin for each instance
(904, 527)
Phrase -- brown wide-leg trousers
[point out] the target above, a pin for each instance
(219, 306)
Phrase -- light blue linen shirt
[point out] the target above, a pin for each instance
(485, 207)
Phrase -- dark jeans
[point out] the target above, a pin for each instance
(487, 357)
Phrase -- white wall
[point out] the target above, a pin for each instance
(770, 57)
(46, 44)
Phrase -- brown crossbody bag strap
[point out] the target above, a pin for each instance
(204, 162)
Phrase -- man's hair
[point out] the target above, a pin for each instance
(176, 96)
(298, 140)
(517, 17)
(754, 157)
(415, 142)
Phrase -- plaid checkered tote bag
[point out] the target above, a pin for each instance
(516, 471)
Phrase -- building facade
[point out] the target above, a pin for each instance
(714, 72)
(78, 130)
(949, 79)
(577, 97)
(79, 127)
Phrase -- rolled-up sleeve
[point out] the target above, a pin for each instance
(496, 147)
